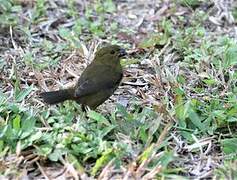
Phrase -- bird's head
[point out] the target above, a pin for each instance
(110, 54)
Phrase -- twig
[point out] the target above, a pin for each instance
(43, 172)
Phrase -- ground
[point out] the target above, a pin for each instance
(173, 116)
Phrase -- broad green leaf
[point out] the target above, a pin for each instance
(98, 117)
(16, 122)
(22, 95)
(44, 150)
(65, 33)
(146, 153)
(27, 126)
(229, 146)
(56, 154)
(107, 156)
(73, 160)
(230, 57)
(195, 119)
(109, 6)
(166, 158)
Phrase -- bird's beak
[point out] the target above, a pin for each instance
(122, 52)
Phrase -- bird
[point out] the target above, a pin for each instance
(97, 82)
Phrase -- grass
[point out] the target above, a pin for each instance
(174, 115)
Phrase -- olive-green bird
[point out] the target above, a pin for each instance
(97, 82)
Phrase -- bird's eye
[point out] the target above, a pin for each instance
(112, 52)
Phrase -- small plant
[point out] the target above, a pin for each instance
(190, 3)
(8, 11)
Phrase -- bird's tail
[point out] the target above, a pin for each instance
(54, 97)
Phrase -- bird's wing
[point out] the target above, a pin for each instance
(92, 82)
